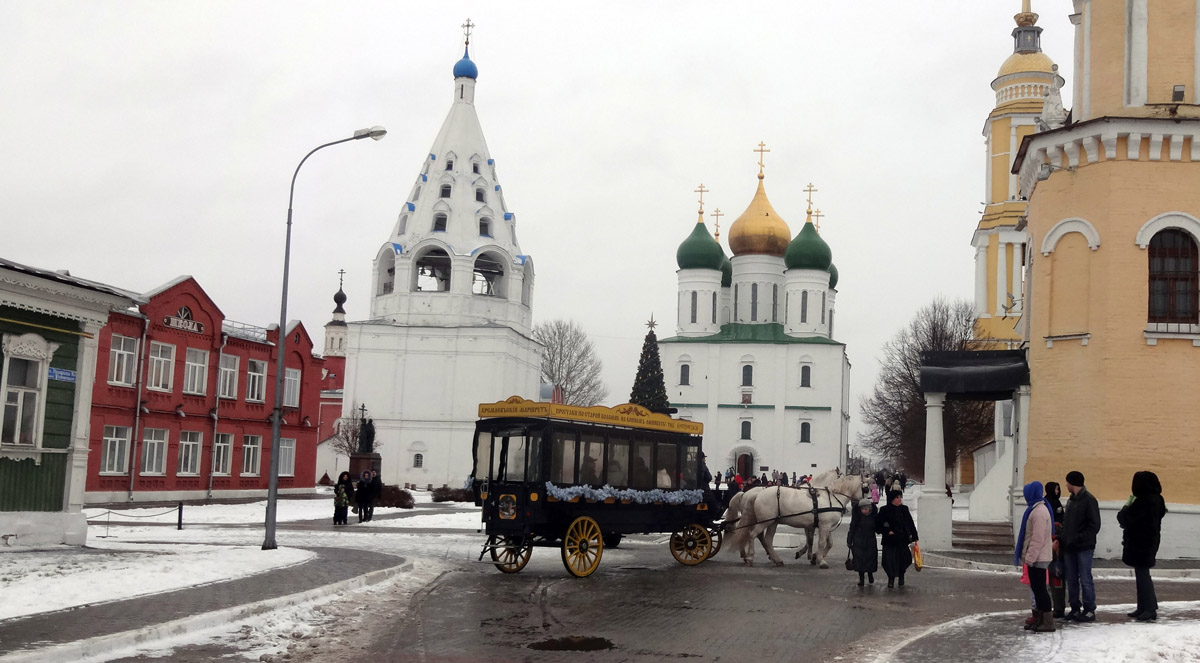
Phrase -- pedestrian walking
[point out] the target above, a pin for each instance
(362, 495)
(1058, 589)
(1081, 524)
(341, 505)
(896, 524)
(376, 492)
(864, 552)
(1035, 551)
(874, 493)
(347, 484)
(1141, 518)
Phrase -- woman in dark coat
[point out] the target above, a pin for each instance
(861, 540)
(363, 496)
(896, 525)
(347, 483)
(1141, 518)
(1058, 588)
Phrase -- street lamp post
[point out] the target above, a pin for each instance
(376, 133)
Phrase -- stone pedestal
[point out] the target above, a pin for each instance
(363, 462)
(934, 521)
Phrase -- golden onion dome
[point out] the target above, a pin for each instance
(759, 230)
(1023, 63)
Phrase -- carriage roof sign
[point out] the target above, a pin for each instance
(631, 415)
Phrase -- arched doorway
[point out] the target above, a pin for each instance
(745, 465)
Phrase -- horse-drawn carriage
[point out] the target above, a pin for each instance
(580, 478)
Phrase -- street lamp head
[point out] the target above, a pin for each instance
(375, 132)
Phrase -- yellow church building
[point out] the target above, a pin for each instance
(1102, 207)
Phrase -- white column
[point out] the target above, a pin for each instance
(1001, 276)
(934, 508)
(1137, 36)
(1017, 251)
(981, 280)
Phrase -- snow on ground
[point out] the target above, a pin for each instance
(453, 519)
(64, 577)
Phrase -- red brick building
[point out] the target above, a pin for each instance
(206, 387)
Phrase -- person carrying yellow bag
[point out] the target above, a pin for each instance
(918, 560)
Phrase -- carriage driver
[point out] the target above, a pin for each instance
(710, 497)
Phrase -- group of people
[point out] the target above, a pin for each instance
(363, 496)
(894, 523)
(734, 482)
(1060, 540)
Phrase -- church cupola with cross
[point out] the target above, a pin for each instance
(452, 256)
(335, 329)
(700, 260)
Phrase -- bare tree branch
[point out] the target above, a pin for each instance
(894, 414)
(569, 360)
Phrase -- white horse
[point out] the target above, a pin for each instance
(823, 480)
(803, 507)
(739, 505)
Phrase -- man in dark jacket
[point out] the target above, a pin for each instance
(1077, 545)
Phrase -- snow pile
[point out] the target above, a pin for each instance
(50, 580)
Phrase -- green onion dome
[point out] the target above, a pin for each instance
(808, 251)
(700, 250)
(833, 276)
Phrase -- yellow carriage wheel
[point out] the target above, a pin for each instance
(509, 554)
(582, 547)
(717, 534)
(691, 545)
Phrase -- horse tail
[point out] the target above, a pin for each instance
(746, 521)
(733, 512)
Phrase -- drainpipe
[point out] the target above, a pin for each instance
(137, 411)
(216, 417)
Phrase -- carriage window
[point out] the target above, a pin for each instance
(667, 470)
(618, 463)
(562, 467)
(483, 454)
(591, 459)
(691, 460)
(642, 478)
(533, 470)
(515, 467)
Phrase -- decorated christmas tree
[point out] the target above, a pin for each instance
(649, 388)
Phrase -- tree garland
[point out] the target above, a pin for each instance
(568, 493)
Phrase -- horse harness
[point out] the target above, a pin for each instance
(814, 494)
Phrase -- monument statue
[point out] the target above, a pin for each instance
(366, 436)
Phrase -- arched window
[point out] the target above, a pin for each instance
(445, 191)
(822, 308)
(685, 374)
(449, 164)
(485, 227)
(735, 303)
(488, 276)
(747, 376)
(432, 272)
(418, 460)
(475, 168)
(694, 307)
(416, 194)
(745, 430)
(806, 376)
(714, 308)
(479, 195)
(403, 224)
(804, 306)
(775, 303)
(1173, 277)
(439, 223)
(753, 302)
(805, 431)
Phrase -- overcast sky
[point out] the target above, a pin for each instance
(144, 140)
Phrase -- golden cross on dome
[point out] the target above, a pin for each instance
(716, 215)
(701, 191)
(810, 190)
(467, 30)
(762, 149)
(652, 324)
(817, 215)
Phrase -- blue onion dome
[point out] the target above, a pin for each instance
(808, 251)
(699, 250)
(833, 276)
(726, 272)
(464, 68)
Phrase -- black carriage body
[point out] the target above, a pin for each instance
(516, 457)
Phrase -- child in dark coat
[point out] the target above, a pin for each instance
(341, 505)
